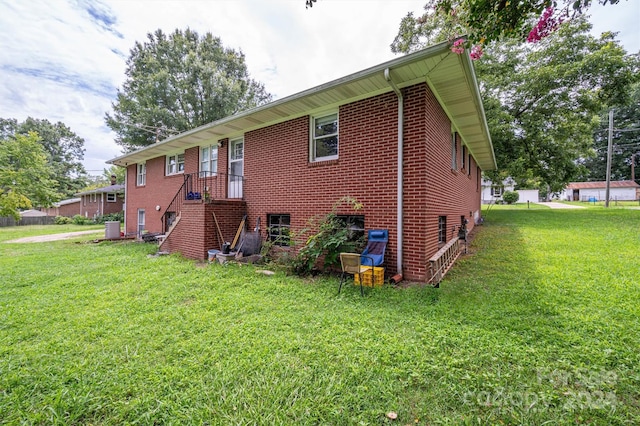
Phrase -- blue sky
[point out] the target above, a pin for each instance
(63, 60)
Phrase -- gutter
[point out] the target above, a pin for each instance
(400, 182)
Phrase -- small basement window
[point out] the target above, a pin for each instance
(355, 224)
(279, 229)
(442, 229)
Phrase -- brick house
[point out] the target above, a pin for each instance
(69, 208)
(102, 201)
(407, 138)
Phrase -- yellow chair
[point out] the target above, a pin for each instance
(350, 263)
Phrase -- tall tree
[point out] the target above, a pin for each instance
(626, 143)
(485, 21)
(118, 172)
(542, 101)
(178, 82)
(104, 179)
(25, 176)
(64, 150)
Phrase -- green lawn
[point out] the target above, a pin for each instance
(540, 324)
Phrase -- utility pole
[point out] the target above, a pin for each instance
(633, 167)
(609, 154)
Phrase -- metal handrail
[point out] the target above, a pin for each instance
(203, 186)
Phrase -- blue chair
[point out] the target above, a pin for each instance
(373, 254)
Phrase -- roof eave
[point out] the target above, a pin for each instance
(296, 105)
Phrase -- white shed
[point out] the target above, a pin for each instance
(528, 195)
(596, 191)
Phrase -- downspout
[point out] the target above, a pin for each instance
(400, 223)
(124, 203)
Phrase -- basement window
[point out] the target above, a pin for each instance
(442, 229)
(355, 225)
(324, 137)
(279, 229)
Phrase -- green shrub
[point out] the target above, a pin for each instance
(81, 220)
(332, 238)
(510, 197)
(62, 220)
(111, 217)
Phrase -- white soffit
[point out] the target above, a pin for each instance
(449, 75)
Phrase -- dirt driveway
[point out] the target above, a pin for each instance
(554, 205)
(55, 237)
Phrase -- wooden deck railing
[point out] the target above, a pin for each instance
(443, 260)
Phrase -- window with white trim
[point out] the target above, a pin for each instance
(324, 137)
(496, 190)
(111, 198)
(142, 174)
(141, 221)
(454, 151)
(208, 160)
(175, 164)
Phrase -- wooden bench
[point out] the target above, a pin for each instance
(443, 260)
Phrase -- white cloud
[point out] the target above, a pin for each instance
(63, 60)
(622, 18)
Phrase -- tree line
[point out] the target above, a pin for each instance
(546, 85)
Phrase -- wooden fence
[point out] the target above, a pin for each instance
(41, 220)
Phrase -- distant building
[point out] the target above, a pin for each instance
(69, 208)
(32, 213)
(493, 191)
(102, 201)
(596, 191)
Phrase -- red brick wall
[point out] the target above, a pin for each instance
(113, 207)
(193, 239)
(68, 210)
(280, 179)
(89, 207)
(451, 193)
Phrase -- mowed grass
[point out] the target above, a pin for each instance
(541, 323)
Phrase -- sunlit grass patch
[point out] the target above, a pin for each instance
(539, 325)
